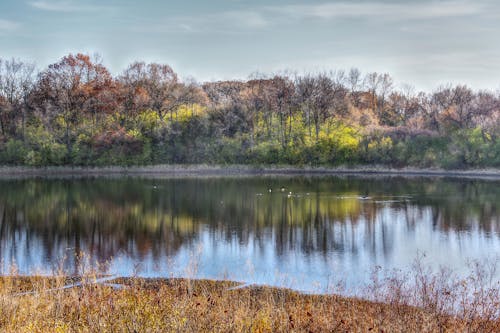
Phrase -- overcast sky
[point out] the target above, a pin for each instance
(425, 43)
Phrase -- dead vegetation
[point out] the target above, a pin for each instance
(418, 302)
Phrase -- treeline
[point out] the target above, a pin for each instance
(76, 113)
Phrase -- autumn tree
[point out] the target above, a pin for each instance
(451, 107)
(401, 106)
(157, 87)
(73, 88)
(487, 114)
(224, 93)
(76, 112)
(133, 91)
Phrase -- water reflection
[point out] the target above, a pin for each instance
(261, 230)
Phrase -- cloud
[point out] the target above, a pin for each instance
(258, 18)
(226, 22)
(64, 6)
(247, 18)
(6, 25)
(396, 11)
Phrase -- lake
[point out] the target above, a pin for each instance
(302, 232)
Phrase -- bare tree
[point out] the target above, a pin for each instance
(16, 82)
(320, 97)
(340, 92)
(324, 95)
(281, 93)
(354, 80)
(385, 87)
(378, 86)
(305, 95)
(372, 83)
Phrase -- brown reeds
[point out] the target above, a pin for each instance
(420, 301)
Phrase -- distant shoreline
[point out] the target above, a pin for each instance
(237, 170)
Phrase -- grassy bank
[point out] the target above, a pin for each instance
(38, 304)
(235, 170)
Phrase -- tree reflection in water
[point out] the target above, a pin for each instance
(314, 220)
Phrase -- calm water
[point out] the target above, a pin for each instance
(327, 229)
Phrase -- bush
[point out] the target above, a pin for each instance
(14, 152)
(266, 153)
(380, 150)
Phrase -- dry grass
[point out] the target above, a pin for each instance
(182, 305)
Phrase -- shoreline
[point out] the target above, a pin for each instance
(204, 170)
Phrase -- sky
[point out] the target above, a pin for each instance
(424, 43)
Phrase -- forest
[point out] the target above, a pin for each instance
(76, 113)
